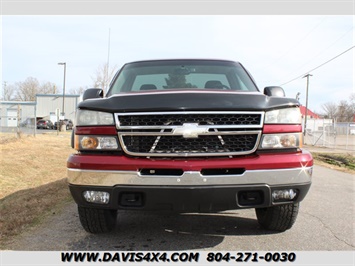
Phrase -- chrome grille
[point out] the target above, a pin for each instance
(217, 119)
(180, 145)
(184, 134)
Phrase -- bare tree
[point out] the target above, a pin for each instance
(343, 111)
(8, 92)
(352, 104)
(330, 110)
(103, 76)
(48, 88)
(77, 91)
(27, 90)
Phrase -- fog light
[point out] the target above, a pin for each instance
(285, 194)
(100, 197)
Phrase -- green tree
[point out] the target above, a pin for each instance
(175, 81)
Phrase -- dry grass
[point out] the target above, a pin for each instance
(32, 179)
(344, 162)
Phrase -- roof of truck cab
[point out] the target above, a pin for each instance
(182, 59)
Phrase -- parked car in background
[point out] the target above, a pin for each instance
(28, 122)
(44, 124)
(68, 124)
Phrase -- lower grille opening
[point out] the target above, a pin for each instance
(250, 198)
(222, 171)
(171, 172)
(131, 199)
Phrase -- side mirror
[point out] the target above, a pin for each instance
(274, 91)
(93, 93)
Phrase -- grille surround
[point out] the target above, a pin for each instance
(174, 134)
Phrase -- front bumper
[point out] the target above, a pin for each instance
(274, 177)
(144, 183)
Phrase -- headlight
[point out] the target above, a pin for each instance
(288, 140)
(85, 142)
(89, 118)
(284, 116)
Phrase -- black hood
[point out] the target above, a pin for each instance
(187, 101)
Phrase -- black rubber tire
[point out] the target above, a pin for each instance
(72, 144)
(277, 218)
(97, 220)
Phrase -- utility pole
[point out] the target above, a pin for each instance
(306, 114)
(108, 61)
(65, 70)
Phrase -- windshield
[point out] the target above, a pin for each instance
(182, 74)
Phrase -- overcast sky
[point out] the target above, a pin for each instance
(275, 49)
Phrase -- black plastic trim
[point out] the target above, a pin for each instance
(187, 198)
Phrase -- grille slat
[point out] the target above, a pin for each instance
(168, 134)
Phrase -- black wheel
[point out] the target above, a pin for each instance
(277, 218)
(97, 220)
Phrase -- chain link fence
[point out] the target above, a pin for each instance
(330, 134)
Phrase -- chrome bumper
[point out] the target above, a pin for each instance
(272, 177)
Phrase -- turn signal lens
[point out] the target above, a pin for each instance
(93, 142)
(90, 143)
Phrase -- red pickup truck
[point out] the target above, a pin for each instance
(188, 136)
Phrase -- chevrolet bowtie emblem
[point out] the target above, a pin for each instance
(190, 130)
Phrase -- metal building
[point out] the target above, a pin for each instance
(13, 113)
(48, 103)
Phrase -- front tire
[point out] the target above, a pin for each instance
(97, 220)
(278, 218)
